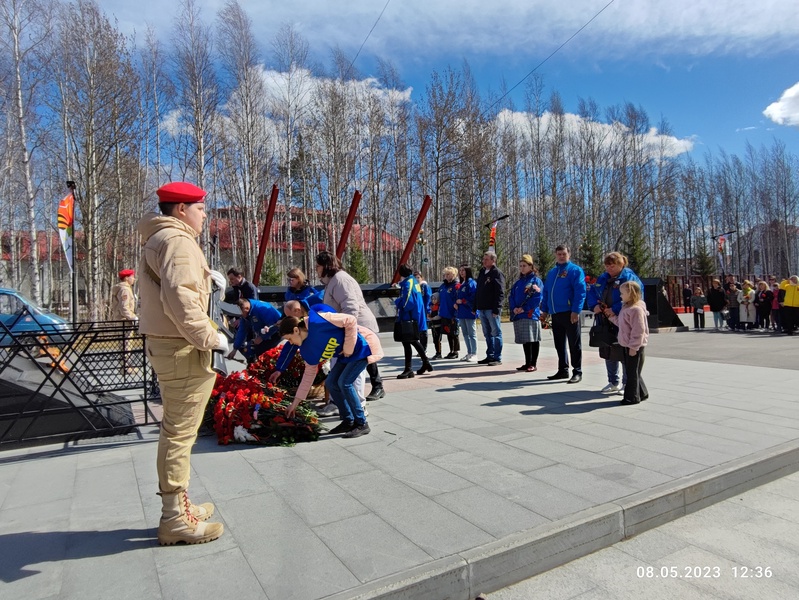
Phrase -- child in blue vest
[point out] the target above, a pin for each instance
(326, 335)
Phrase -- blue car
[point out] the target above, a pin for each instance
(21, 316)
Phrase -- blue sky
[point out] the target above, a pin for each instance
(722, 72)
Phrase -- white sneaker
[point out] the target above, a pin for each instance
(611, 388)
(472, 358)
(466, 358)
(328, 410)
(365, 410)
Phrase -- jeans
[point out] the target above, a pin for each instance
(562, 330)
(492, 333)
(718, 319)
(612, 367)
(469, 328)
(341, 383)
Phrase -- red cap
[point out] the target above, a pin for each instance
(180, 191)
(126, 273)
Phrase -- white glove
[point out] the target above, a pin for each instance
(219, 280)
(222, 345)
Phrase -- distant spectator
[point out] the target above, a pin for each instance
(448, 293)
(789, 301)
(698, 302)
(733, 306)
(763, 299)
(746, 308)
(717, 300)
(467, 313)
(686, 297)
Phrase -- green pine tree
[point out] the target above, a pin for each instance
(544, 256)
(589, 254)
(356, 265)
(270, 272)
(704, 263)
(637, 250)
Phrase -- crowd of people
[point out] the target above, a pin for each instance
(335, 328)
(764, 305)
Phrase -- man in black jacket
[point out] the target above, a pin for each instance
(488, 302)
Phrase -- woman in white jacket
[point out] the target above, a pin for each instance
(746, 306)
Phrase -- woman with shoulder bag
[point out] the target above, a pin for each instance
(603, 295)
(411, 319)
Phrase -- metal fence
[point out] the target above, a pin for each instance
(61, 382)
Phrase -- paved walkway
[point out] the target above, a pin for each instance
(473, 478)
(741, 548)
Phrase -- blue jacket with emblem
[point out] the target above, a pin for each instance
(467, 292)
(306, 295)
(597, 292)
(523, 296)
(262, 314)
(447, 294)
(564, 289)
(410, 304)
(288, 351)
(325, 341)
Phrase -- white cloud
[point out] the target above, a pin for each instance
(526, 29)
(785, 111)
(609, 135)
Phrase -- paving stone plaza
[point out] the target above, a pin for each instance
(473, 478)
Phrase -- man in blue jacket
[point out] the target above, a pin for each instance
(256, 315)
(564, 297)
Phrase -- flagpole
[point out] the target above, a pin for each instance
(71, 186)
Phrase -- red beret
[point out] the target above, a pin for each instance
(180, 191)
(126, 273)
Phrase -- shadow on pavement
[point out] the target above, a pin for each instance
(18, 550)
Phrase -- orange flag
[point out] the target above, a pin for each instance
(66, 221)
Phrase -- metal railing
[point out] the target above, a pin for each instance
(60, 382)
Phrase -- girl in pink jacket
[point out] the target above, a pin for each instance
(633, 336)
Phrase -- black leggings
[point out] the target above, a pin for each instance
(409, 353)
(531, 350)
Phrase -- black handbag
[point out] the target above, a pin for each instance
(603, 333)
(406, 331)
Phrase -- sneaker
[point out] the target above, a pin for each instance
(611, 388)
(485, 361)
(452, 355)
(472, 358)
(358, 431)
(494, 363)
(343, 427)
(466, 358)
(365, 410)
(328, 410)
(436, 356)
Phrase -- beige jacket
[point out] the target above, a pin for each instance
(178, 306)
(123, 302)
(344, 294)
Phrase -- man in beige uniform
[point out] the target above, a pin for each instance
(175, 284)
(123, 300)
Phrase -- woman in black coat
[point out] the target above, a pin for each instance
(763, 299)
(717, 301)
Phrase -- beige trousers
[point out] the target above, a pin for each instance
(186, 381)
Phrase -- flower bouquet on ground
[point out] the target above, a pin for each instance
(246, 408)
